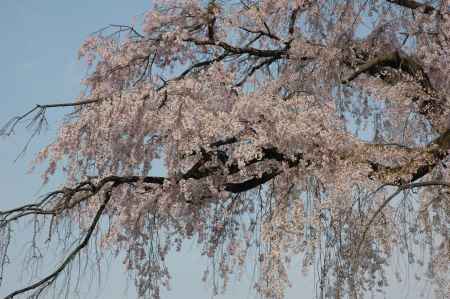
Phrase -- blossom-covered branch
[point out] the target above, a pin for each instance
(286, 128)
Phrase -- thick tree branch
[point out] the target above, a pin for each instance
(437, 151)
(251, 183)
(238, 50)
(394, 60)
(414, 5)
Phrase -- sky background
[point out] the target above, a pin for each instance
(38, 59)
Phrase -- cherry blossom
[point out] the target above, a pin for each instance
(303, 129)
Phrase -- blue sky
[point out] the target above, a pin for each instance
(38, 59)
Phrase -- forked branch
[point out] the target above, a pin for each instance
(49, 279)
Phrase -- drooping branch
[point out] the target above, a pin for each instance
(437, 151)
(197, 173)
(200, 44)
(49, 279)
(383, 205)
(87, 189)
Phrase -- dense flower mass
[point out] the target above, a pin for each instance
(311, 129)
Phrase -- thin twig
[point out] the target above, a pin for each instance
(49, 279)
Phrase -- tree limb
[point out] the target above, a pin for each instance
(414, 5)
(390, 198)
(49, 279)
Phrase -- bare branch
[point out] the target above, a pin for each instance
(8, 128)
(260, 32)
(389, 199)
(49, 279)
(256, 67)
(199, 65)
(127, 27)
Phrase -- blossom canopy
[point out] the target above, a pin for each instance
(316, 130)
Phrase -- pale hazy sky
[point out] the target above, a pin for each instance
(38, 60)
